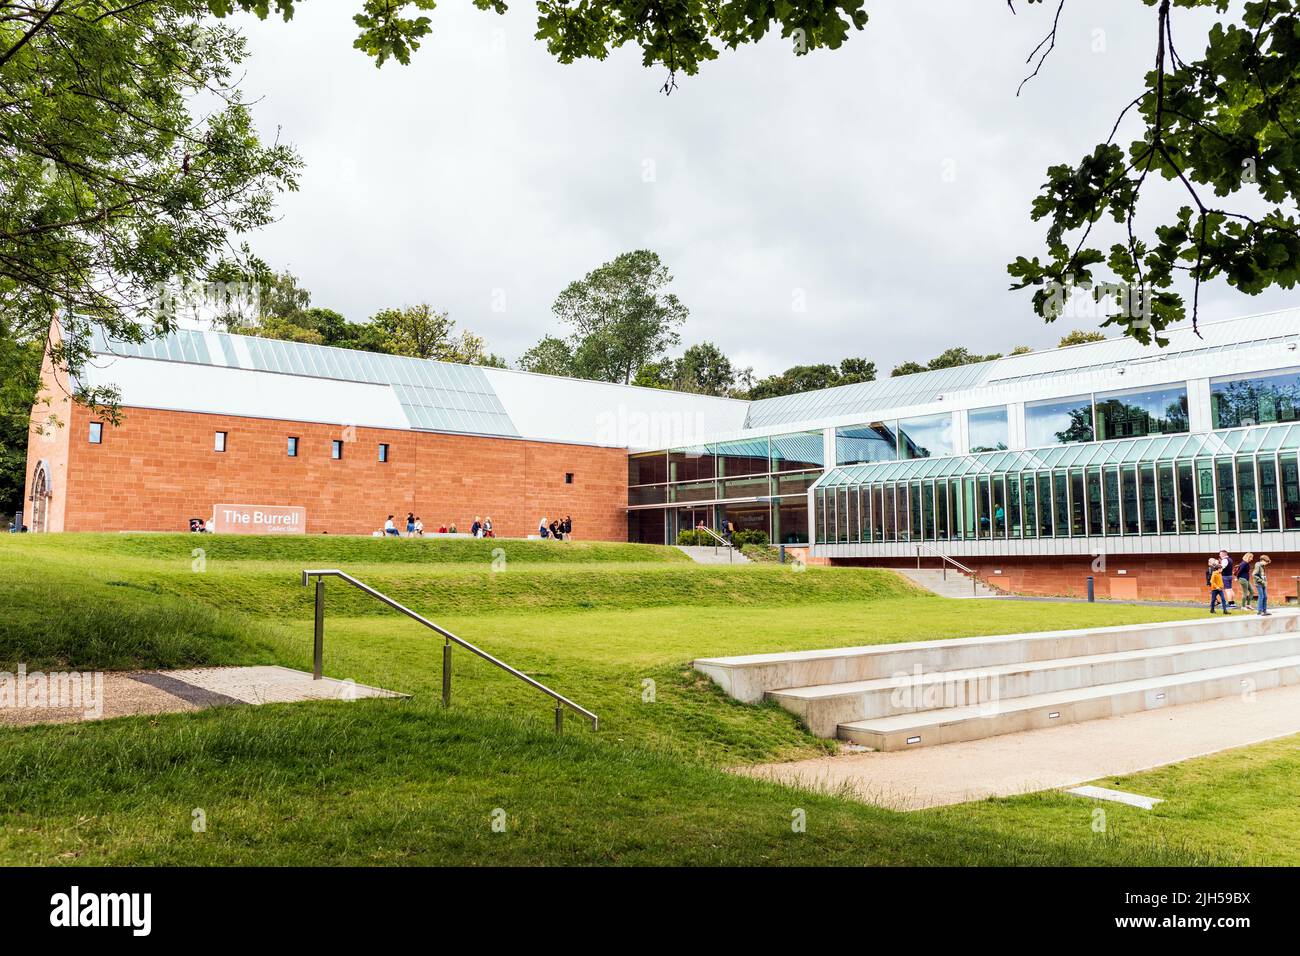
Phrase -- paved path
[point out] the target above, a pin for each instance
(105, 695)
(1045, 759)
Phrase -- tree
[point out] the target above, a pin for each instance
(1021, 350)
(808, 378)
(114, 187)
(620, 317)
(20, 376)
(951, 358)
(550, 356)
(1216, 127)
(421, 332)
(1080, 337)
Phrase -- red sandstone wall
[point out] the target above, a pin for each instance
(1147, 577)
(158, 468)
(49, 438)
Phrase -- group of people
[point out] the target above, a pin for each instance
(197, 525)
(561, 529)
(1250, 577)
(482, 527)
(415, 526)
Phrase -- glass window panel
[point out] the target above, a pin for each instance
(1129, 497)
(1255, 401)
(647, 469)
(874, 442)
(1055, 423)
(1186, 489)
(690, 465)
(1110, 491)
(1094, 502)
(988, 429)
(878, 513)
(797, 452)
(745, 457)
(941, 510)
(693, 491)
(969, 517)
(890, 529)
(1161, 411)
(1268, 497)
(927, 511)
(916, 508)
(1290, 493)
(1000, 507)
(842, 517)
(1155, 507)
(755, 487)
(1247, 508)
(647, 495)
(1205, 497)
(791, 521)
(925, 437)
(793, 484)
(1078, 506)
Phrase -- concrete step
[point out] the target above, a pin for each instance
(748, 678)
(953, 584)
(972, 722)
(707, 554)
(824, 707)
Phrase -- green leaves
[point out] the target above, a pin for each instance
(1221, 129)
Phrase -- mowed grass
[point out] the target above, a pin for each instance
(612, 626)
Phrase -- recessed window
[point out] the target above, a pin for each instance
(336, 449)
(293, 447)
(96, 433)
(383, 451)
(568, 477)
(219, 442)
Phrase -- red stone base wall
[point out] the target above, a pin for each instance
(159, 468)
(1141, 577)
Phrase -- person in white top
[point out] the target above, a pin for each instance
(390, 528)
(419, 527)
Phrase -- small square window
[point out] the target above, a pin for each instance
(568, 477)
(96, 433)
(219, 443)
(293, 447)
(383, 451)
(336, 449)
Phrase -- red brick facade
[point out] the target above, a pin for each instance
(1137, 577)
(159, 468)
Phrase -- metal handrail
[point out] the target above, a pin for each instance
(731, 554)
(318, 652)
(974, 582)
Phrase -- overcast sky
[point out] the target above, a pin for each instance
(863, 201)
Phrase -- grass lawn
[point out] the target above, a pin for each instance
(395, 782)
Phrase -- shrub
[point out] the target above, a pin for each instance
(750, 536)
(689, 537)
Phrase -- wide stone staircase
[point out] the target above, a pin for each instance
(898, 696)
(708, 554)
(951, 584)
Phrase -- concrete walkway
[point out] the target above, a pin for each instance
(1045, 759)
(103, 695)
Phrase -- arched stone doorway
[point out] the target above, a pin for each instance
(40, 499)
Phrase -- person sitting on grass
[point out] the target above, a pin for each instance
(1215, 573)
(487, 526)
(390, 528)
(543, 529)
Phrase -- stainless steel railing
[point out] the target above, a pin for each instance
(974, 583)
(318, 655)
(720, 540)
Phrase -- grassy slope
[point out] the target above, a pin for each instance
(398, 782)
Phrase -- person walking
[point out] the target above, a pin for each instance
(1243, 580)
(1261, 585)
(1216, 586)
(1225, 564)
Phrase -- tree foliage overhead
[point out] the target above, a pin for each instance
(112, 186)
(703, 369)
(1221, 130)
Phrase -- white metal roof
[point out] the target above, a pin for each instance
(245, 375)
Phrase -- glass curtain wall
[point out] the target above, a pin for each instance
(1241, 480)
